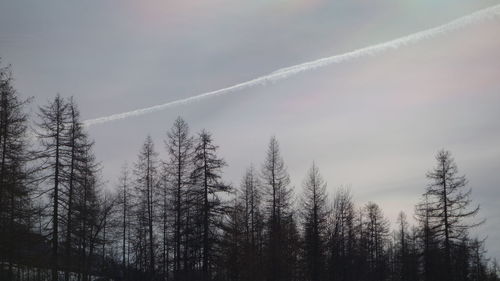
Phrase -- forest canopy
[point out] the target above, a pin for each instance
(176, 218)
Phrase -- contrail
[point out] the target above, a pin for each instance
(283, 73)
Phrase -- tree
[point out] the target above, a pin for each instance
(477, 262)
(376, 231)
(55, 121)
(431, 256)
(250, 198)
(165, 220)
(276, 179)
(147, 184)
(124, 202)
(291, 252)
(15, 191)
(75, 147)
(342, 238)
(179, 147)
(207, 174)
(448, 205)
(91, 211)
(315, 217)
(403, 254)
(231, 264)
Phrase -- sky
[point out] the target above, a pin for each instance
(374, 124)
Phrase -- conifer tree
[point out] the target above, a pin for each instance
(15, 188)
(342, 237)
(250, 196)
(449, 206)
(207, 175)
(315, 217)
(147, 181)
(53, 135)
(275, 178)
(179, 164)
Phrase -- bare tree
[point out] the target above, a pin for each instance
(377, 231)
(125, 203)
(315, 218)
(251, 252)
(207, 174)
(76, 145)
(53, 135)
(342, 238)
(180, 150)
(147, 184)
(165, 220)
(276, 179)
(15, 190)
(90, 211)
(448, 205)
(403, 252)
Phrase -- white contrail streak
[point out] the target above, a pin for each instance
(474, 18)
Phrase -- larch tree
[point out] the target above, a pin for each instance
(76, 143)
(276, 179)
(478, 261)
(166, 220)
(146, 173)
(15, 191)
(91, 212)
(342, 236)
(179, 164)
(125, 205)
(431, 256)
(207, 176)
(315, 218)
(403, 252)
(377, 231)
(449, 207)
(250, 198)
(53, 135)
(231, 264)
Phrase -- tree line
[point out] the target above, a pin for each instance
(178, 219)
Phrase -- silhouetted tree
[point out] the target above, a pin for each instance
(180, 153)
(53, 135)
(276, 179)
(251, 252)
(207, 172)
(15, 191)
(315, 217)
(166, 221)
(90, 212)
(124, 203)
(342, 255)
(147, 181)
(406, 255)
(231, 264)
(431, 255)
(376, 231)
(76, 146)
(448, 206)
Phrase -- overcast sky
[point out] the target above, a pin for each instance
(374, 124)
